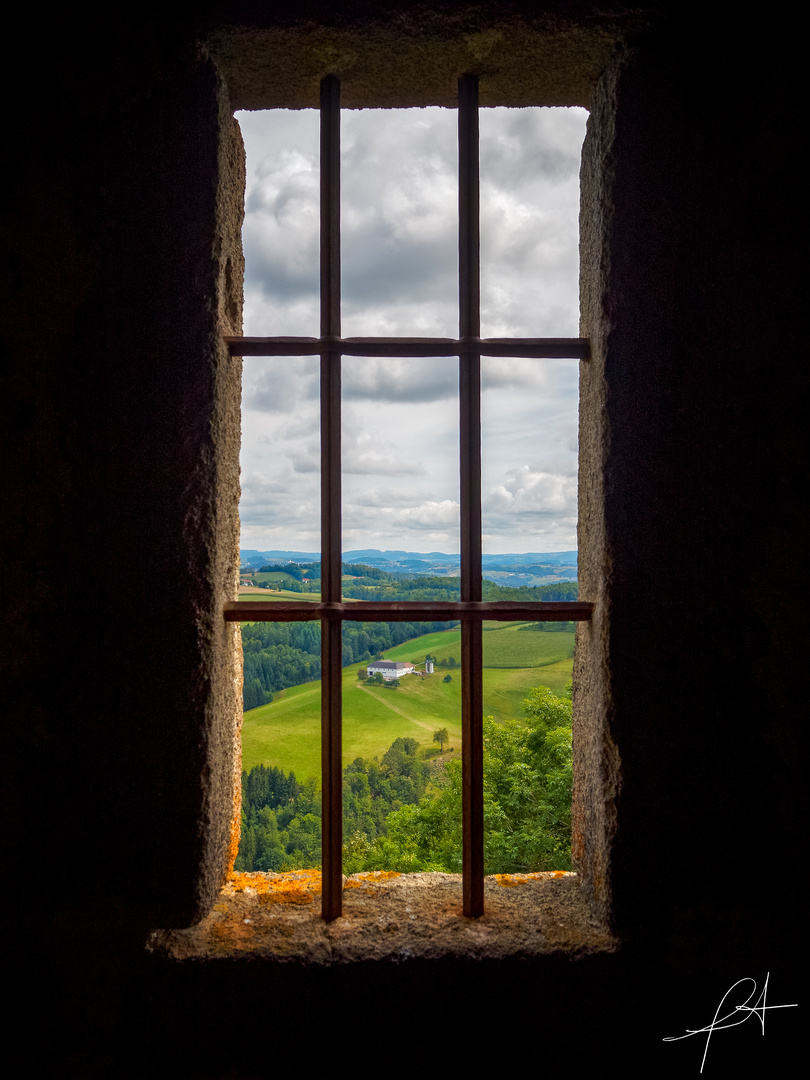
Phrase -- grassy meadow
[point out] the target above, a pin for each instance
(286, 733)
(247, 592)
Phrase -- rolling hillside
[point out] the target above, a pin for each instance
(286, 733)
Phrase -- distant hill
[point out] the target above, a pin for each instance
(250, 556)
(513, 569)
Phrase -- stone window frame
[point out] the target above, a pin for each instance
(280, 68)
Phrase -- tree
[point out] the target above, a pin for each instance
(527, 801)
(447, 678)
(254, 694)
(442, 735)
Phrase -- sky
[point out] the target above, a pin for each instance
(399, 225)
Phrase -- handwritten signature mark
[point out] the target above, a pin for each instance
(746, 1010)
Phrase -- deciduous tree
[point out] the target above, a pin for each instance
(441, 736)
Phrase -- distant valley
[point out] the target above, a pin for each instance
(514, 570)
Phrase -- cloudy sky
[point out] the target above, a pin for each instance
(399, 260)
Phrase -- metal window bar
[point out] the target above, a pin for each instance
(470, 610)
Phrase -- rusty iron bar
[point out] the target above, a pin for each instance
(531, 348)
(331, 645)
(469, 256)
(409, 611)
(469, 332)
(472, 768)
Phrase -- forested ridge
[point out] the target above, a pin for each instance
(278, 655)
(361, 582)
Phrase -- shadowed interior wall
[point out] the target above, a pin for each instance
(120, 437)
(124, 436)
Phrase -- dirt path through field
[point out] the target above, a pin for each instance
(389, 705)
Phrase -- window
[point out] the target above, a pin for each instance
(469, 347)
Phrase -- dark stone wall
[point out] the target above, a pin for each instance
(119, 434)
(121, 430)
(703, 491)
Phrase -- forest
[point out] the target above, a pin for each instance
(361, 582)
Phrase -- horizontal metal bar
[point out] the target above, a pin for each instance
(408, 611)
(539, 348)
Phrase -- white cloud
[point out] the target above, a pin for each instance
(399, 227)
(532, 491)
(399, 222)
(401, 380)
(368, 453)
(499, 373)
(280, 384)
(529, 221)
(392, 497)
(430, 525)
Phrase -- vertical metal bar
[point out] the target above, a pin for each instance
(331, 648)
(331, 780)
(330, 207)
(469, 255)
(470, 496)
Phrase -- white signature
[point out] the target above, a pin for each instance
(720, 1024)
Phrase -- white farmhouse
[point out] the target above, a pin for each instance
(389, 669)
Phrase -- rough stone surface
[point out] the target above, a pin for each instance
(389, 916)
(386, 66)
(595, 756)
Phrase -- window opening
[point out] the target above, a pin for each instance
(331, 611)
(399, 225)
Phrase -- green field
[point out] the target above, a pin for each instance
(286, 732)
(271, 578)
(281, 594)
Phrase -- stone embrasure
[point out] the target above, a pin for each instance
(390, 916)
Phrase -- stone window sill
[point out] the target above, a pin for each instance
(388, 916)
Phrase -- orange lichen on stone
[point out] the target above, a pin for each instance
(236, 801)
(356, 881)
(236, 828)
(510, 880)
(294, 887)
